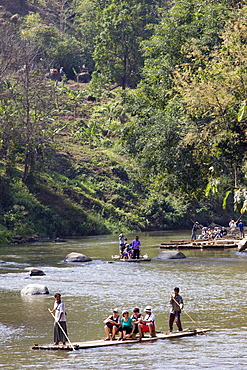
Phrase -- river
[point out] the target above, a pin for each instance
(212, 283)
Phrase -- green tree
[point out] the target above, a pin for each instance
(54, 47)
(122, 26)
(215, 99)
(86, 30)
(25, 107)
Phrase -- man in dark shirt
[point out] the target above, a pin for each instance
(177, 305)
(195, 227)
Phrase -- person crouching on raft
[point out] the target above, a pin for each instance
(60, 318)
(112, 324)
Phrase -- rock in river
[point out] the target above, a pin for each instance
(34, 289)
(36, 272)
(167, 255)
(242, 245)
(76, 257)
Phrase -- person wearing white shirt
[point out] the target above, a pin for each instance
(148, 323)
(60, 320)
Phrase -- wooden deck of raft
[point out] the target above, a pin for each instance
(103, 343)
(200, 244)
(142, 259)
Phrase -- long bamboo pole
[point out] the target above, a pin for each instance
(189, 316)
(62, 330)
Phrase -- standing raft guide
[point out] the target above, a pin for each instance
(125, 330)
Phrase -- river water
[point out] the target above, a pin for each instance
(212, 283)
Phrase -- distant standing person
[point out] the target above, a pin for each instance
(232, 225)
(136, 247)
(60, 318)
(241, 228)
(177, 305)
(195, 227)
(121, 243)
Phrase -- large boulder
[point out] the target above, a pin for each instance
(76, 257)
(36, 272)
(167, 255)
(242, 245)
(34, 289)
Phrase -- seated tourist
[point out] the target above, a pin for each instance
(148, 323)
(127, 253)
(217, 233)
(112, 324)
(137, 319)
(127, 326)
(223, 231)
(204, 234)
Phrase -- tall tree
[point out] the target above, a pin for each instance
(215, 98)
(122, 26)
(55, 46)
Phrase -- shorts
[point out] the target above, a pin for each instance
(110, 326)
(145, 328)
(128, 329)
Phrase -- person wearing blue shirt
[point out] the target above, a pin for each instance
(136, 247)
(241, 228)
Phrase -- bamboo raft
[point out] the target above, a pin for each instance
(200, 244)
(141, 259)
(103, 343)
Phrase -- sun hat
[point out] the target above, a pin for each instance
(148, 308)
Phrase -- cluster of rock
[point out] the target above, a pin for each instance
(35, 289)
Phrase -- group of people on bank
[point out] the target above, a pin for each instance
(129, 250)
(125, 326)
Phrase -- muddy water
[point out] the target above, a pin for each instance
(212, 282)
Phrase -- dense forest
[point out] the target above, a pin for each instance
(119, 115)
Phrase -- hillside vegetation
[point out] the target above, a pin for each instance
(155, 140)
